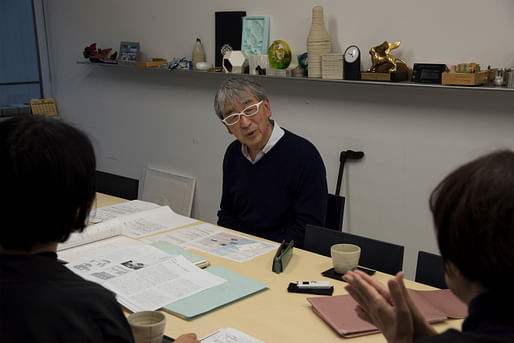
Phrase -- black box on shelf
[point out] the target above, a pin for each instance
(428, 72)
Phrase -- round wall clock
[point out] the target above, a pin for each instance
(352, 63)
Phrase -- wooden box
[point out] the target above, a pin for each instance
(465, 79)
(150, 64)
(395, 76)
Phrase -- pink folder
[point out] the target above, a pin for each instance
(339, 310)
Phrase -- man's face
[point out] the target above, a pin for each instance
(252, 131)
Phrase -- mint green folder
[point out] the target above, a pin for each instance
(171, 249)
(236, 288)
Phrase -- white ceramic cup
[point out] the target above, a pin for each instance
(147, 326)
(202, 66)
(345, 257)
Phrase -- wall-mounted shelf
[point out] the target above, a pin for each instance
(306, 79)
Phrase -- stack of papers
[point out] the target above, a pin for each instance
(144, 277)
(133, 219)
(135, 251)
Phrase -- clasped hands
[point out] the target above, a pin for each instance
(389, 308)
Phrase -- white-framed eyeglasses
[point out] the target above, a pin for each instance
(247, 112)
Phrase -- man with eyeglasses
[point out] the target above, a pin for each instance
(274, 182)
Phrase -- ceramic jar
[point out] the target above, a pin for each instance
(318, 42)
(198, 54)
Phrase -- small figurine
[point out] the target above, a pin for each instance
(382, 61)
(100, 55)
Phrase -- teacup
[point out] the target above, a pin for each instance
(147, 326)
(345, 257)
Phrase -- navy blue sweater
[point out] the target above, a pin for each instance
(490, 319)
(275, 197)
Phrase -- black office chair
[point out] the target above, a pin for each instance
(335, 212)
(430, 270)
(117, 185)
(383, 256)
(335, 202)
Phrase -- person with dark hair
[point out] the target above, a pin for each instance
(473, 211)
(274, 182)
(47, 188)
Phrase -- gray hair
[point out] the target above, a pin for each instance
(234, 90)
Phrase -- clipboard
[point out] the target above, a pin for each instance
(282, 257)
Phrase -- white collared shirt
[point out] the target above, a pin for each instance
(276, 134)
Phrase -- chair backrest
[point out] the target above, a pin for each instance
(383, 256)
(117, 185)
(430, 270)
(168, 188)
(335, 211)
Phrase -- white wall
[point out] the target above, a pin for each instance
(411, 137)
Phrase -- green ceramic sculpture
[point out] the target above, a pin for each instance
(279, 54)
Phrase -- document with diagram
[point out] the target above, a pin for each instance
(216, 241)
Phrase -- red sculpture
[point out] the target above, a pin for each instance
(100, 55)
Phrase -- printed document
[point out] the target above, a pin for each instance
(215, 241)
(110, 212)
(228, 335)
(144, 277)
(135, 225)
(152, 221)
(84, 251)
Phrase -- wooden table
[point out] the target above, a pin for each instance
(274, 315)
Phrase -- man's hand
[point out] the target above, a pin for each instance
(390, 309)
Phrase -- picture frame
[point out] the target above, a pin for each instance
(255, 37)
(129, 52)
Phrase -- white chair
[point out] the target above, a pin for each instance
(167, 188)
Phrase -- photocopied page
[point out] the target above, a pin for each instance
(184, 238)
(172, 249)
(144, 277)
(134, 219)
(150, 222)
(228, 335)
(90, 234)
(215, 241)
(82, 252)
(102, 214)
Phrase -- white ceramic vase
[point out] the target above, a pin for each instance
(318, 42)
(198, 54)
